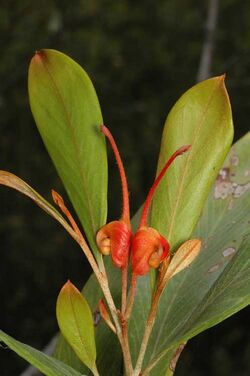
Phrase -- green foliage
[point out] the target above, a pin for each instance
(66, 110)
(143, 49)
(47, 365)
(68, 116)
(217, 284)
(108, 362)
(76, 324)
(201, 118)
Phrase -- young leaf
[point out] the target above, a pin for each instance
(76, 324)
(68, 116)
(108, 362)
(183, 257)
(201, 118)
(46, 364)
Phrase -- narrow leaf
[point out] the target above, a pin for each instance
(76, 324)
(47, 365)
(68, 116)
(202, 118)
(10, 180)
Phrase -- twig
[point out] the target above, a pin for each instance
(124, 272)
(204, 70)
(131, 296)
(148, 329)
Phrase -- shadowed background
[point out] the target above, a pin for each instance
(141, 56)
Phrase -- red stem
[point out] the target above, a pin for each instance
(125, 195)
(151, 192)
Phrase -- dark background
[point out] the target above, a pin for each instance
(141, 56)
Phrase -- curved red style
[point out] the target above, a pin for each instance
(149, 247)
(115, 237)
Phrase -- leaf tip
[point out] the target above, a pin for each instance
(58, 200)
(39, 55)
(184, 256)
(68, 285)
(223, 77)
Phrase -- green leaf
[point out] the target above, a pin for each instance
(47, 365)
(217, 283)
(108, 362)
(76, 324)
(68, 116)
(202, 118)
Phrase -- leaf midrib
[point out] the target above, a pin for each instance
(79, 331)
(189, 156)
(203, 302)
(77, 152)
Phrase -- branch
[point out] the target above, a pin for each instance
(204, 70)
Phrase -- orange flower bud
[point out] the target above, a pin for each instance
(115, 237)
(149, 247)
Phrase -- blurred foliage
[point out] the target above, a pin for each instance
(141, 57)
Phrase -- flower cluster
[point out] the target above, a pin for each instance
(147, 247)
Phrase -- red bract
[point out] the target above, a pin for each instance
(149, 247)
(115, 237)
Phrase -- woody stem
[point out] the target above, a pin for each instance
(124, 288)
(101, 277)
(103, 282)
(148, 329)
(131, 296)
(125, 347)
(120, 325)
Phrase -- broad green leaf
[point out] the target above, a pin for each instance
(217, 284)
(10, 180)
(76, 324)
(46, 364)
(68, 116)
(202, 118)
